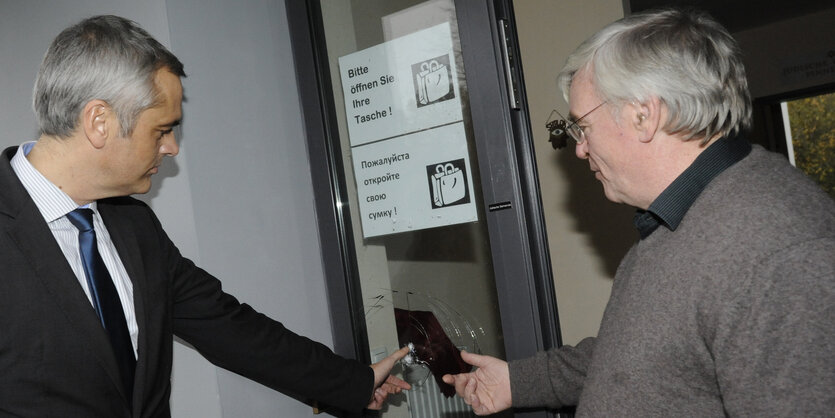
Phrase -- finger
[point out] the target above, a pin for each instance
(448, 379)
(474, 359)
(393, 358)
(398, 382)
(476, 405)
(391, 388)
(377, 401)
(380, 396)
(469, 390)
(399, 354)
(459, 381)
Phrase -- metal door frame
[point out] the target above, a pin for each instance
(513, 208)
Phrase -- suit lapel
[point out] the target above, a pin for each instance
(27, 229)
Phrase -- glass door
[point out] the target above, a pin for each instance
(426, 276)
(430, 207)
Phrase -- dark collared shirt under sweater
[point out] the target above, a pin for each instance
(671, 205)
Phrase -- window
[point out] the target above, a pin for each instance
(810, 137)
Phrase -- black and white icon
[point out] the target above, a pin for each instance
(448, 183)
(433, 81)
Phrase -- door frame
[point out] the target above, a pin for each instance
(510, 185)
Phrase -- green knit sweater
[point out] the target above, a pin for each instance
(731, 314)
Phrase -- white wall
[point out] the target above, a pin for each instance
(587, 234)
(242, 156)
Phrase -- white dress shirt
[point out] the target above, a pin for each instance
(54, 205)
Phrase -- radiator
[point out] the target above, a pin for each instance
(427, 401)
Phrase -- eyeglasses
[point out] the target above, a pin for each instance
(560, 129)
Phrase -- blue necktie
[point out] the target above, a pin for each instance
(105, 299)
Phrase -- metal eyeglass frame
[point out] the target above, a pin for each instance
(559, 129)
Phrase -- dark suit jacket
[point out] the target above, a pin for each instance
(55, 358)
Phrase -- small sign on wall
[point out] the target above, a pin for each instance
(818, 68)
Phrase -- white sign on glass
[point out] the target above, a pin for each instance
(408, 142)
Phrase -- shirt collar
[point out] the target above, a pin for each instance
(51, 201)
(672, 204)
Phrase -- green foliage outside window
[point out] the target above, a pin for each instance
(813, 138)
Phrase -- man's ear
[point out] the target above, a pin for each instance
(96, 122)
(646, 118)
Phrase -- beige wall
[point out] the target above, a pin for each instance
(587, 234)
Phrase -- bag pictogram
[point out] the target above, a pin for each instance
(448, 183)
(433, 81)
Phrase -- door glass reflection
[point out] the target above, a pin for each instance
(422, 249)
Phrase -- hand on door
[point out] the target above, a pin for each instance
(487, 389)
(386, 384)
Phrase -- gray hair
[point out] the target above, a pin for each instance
(109, 58)
(683, 57)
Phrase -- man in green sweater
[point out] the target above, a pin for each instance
(726, 304)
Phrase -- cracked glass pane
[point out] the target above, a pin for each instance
(414, 193)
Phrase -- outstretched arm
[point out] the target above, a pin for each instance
(487, 389)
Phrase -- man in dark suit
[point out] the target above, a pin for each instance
(93, 291)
